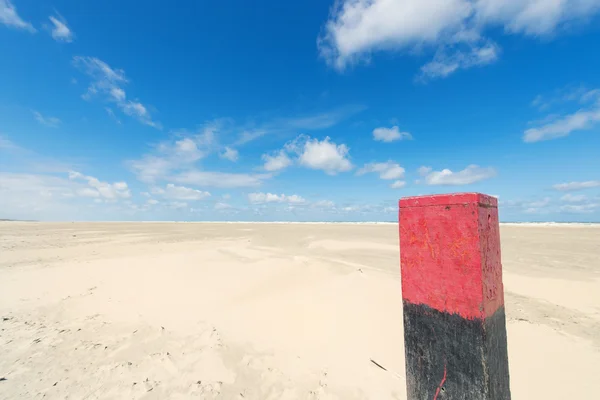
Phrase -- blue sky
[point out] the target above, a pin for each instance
(307, 111)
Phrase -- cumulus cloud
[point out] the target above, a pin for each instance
(580, 203)
(423, 171)
(222, 206)
(398, 184)
(37, 185)
(538, 206)
(177, 205)
(174, 161)
(572, 198)
(109, 191)
(88, 192)
(324, 204)
(310, 153)
(56, 197)
(35, 196)
(60, 31)
(387, 170)
(261, 198)
(390, 134)
(571, 186)
(454, 29)
(220, 179)
(10, 17)
(580, 208)
(323, 154)
(109, 83)
(179, 152)
(276, 162)
(174, 192)
(555, 127)
(469, 175)
(230, 154)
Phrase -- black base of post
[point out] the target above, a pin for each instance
(449, 357)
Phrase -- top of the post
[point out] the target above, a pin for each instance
(480, 199)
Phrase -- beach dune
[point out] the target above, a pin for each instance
(266, 311)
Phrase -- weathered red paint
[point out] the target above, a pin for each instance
(450, 253)
(441, 385)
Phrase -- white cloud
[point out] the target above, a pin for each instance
(569, 93)
(310, 153)
(157, 190)
(110, 191)
(34, 185)
(151, 168)
(295, 199)
(454, 28)
(321, 154)
(390, 134)
(10, 17)
(219, 179)
(469, 175)
(6, 144)
(318, 121)
(152, 202)
(570, 186)
(386, 170)
(230, 154)
(138, 110)
(580, 208)
(358, 27)
(276, 162)
(448, 60)
(51, 122)
(112, 115)
(286, 125)
(222, 206)
(261, 198)
(88, 192)
(54, 197)
(324, 204)
(535, 207)
(174, 192)
(117, 94)
(180, 152)
(555, 127)
(178, 205)
(572, 198)
(423, 171)
(580, 204)
(108, 81)
(175, 160)
(539, 203)
(398, 184)
(535, 17)
(61, 32)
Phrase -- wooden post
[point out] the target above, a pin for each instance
(454, 320)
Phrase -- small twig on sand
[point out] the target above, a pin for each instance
(385, 369)
(379, 365)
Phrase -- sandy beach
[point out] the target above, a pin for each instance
(266, 311)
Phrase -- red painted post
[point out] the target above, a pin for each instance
(453, 298)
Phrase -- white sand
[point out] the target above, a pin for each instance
(265, 311)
